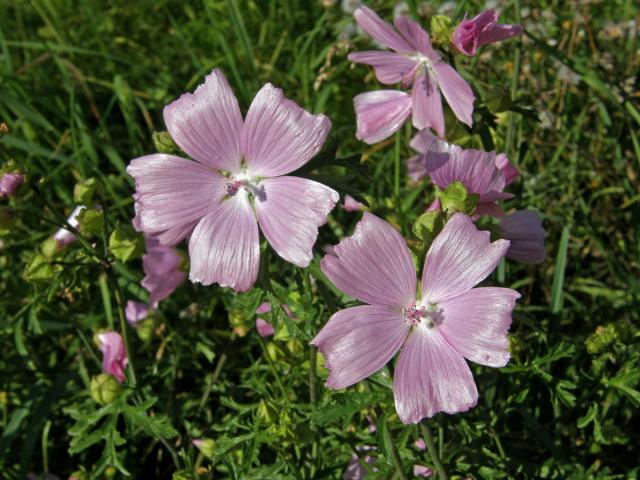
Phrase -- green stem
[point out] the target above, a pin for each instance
(123, 326)
(431, 447)
(273, 369)
(313, 357)
(396, 457)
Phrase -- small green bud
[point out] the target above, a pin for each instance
(601, 339)
(91, 222)
(104, 388)
(49, 248)
(206, 446)
(125, 243)
(441, 29)
(428, 225)
(237, 319)
(456, 198)
(145, 329)
(84, 191)
(164, 143)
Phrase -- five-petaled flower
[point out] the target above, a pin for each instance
(238, 179)
(482, 30)
(448, 322)
(413, 63)
(482, 173)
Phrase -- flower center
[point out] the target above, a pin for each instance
(420, 62)
(252, 186)
(428, 315)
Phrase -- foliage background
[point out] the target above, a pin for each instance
(82, 86)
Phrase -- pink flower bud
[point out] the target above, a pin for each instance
(482, 30)
(114, 360)
(9, 183)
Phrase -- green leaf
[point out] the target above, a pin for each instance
(126, 244)
(91, 222)
(156, 426)
(345, 405)
(428, 225)
(456, 198)
(84, 191)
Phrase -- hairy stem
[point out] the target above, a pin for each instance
(431, 447)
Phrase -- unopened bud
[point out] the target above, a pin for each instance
(104, 388)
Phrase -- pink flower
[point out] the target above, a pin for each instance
(413, 62)
(265, 329)
(352, 205)
(161, 265)
(524, 230)
(238, 181)
(507, 168)
(482, 30)
(448, 322)
(422, 471)
(114, 360)
(446, 163)
(9, 184)
(136, 312)
(64, 237)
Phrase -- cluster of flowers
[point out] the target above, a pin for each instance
(240, 182)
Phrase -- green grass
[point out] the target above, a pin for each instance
(82, 87)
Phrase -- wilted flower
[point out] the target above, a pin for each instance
(114, 356)
(448, 322)
(136, 312)
(482, 30)
(413, 62)
(9, 183)
(524, 230)
(64, 237)
(477, 170)
(161, 265)
(238, 181)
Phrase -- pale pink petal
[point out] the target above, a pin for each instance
(476, 169)
(373, 265)
(380, 30)
(390, 67)
(160, 287)
(499, 32)
(9, 184)
(459, 258)
(380, 113)
(416, 36)
(422, 471)
(476, 324)
(64, 237)
(172, 192)
(416, 168)
(264, 307)
(350, 204)
(485, 19)
(420, 445)
(290, 210)
(507, 168)
(135, 312)
(224, 248)
(427, 105)
(457, 92)
(359, 341)
(175, 235)
(431, 377)
(114, 360)
(265, 329)
(524, 230)
(279, 136)
(207, 123)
